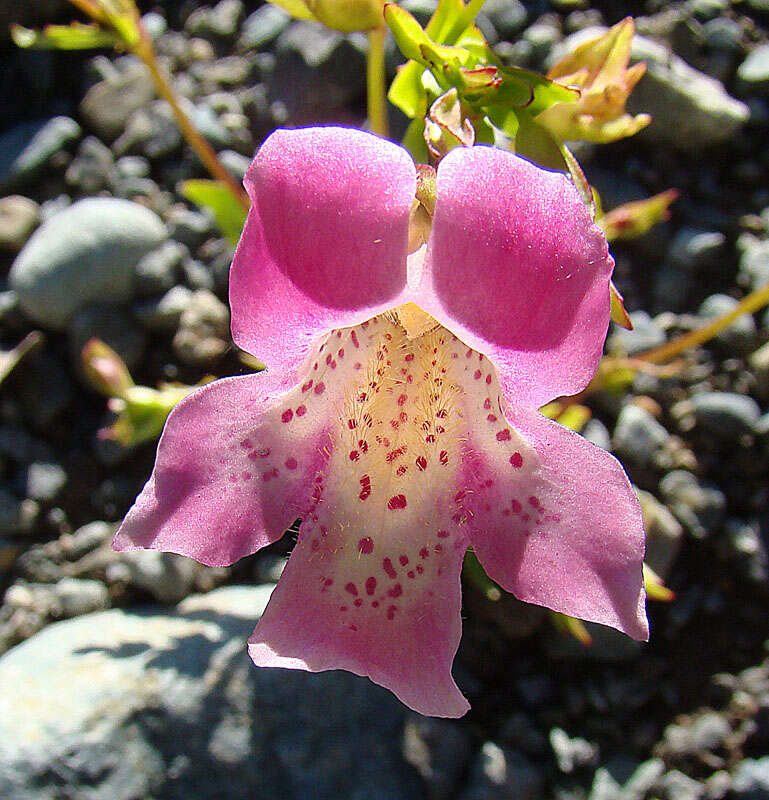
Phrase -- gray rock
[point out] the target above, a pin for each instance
(759, 366)
(689, 109)
(87, 252)
(754, 70)
(124, 705)
(317, 70)
(748, 550)
(507, 16)
(262, 28)
(44, 388)
(208, 124)
(113, 325)
(191, 228)
(68, 597)
(39, 151)
(693, 248)
(571, 753)
(596, 432)
(151, 131)
(163, 315)
(19, 216)
(220, 22)
(90, 170)
(203, 334)
(109, 104)
(439, 750)
(638, 437)
(132, 167)
(740, 336)
(197, 275)
(723, 34)
(754, 261)
(664, 534)
(674, 785)
(156, 272)
(501, 773)
(45, 481)
(543, 37)
(236, 163)
(751, 779)
(646, 334)
(704, 734)
(726, 414)
(166, 576)
(17, 517)
(700, 509)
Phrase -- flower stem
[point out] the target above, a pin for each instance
(749, 305)
(375, 82)
(463, 21)
(145, 51)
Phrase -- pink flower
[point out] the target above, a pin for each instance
(401, 439)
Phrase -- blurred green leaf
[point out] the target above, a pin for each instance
(64, 37)
(229, 215)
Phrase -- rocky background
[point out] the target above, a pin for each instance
(125, 675)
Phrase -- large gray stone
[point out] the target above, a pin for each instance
(689, 109)
(86, 253)
(125, 705)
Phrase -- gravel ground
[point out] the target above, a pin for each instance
(84, 147)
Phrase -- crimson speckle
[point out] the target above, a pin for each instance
(396, 591)
(420, 569)
(291, 463)
(488, 378)
(320, 388)
(365, 545)
(443, 534)
(443, 457)
(402, 399)
(404, 559)
(351, 588)
(246, 444)
(391, 611)
(516, 459)
(354, 455)
(396, 502)
(340, 353)
(287, 415)
(301, 411)
(421, 463)
(357, 603)
(424, 553)
(410, 573)
(307, 386)
(477, 374)
(487, 404)
(516, 506)
(491, 418)
(370, 585)
(387, 566)
(503, 436)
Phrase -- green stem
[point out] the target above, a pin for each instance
(376, 82)
(145, 51)
(752, 303)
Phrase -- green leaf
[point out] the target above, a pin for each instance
(406, 31)
(406, 91)
(414, 140)
(228, 213)
(64, 37)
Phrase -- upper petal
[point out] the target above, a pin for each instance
(325, 242)
(516, 269)
(554, 519)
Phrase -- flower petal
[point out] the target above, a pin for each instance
(516, 269)
(325, 242)
(235, 467)
(377, 595)
(554, 520)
